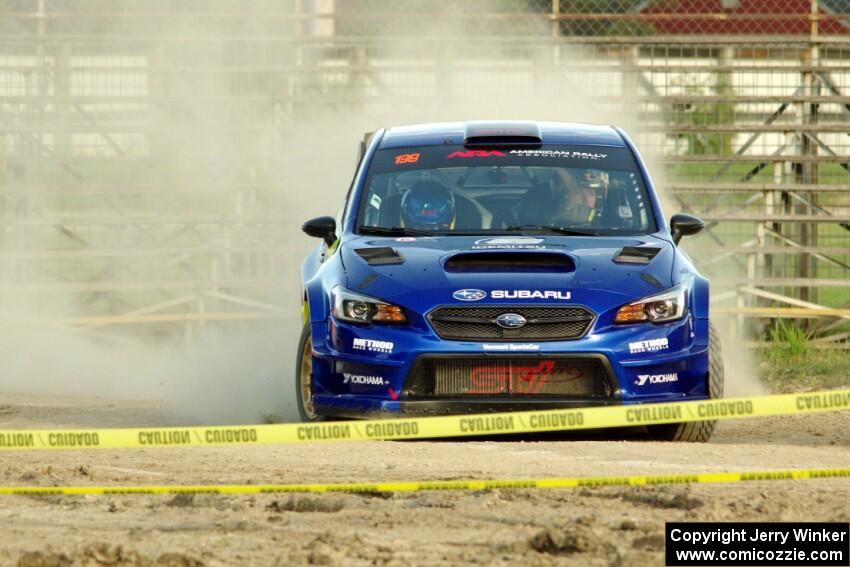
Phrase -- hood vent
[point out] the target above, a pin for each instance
(509, 262)
(380, 256)
(636, 255)
(651, 280)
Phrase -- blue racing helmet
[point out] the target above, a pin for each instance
(428, 205)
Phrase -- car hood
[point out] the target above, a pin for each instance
(598, 271)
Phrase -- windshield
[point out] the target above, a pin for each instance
(594, 190)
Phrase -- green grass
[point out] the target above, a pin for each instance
(788, 341)
(791, 363)
(820, 369)
(833, 235)
(828, 173)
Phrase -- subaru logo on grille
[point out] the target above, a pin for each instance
(469, 294)
(510, 321)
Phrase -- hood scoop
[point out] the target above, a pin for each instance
(380, 256)
(636, 254)
(510, 262)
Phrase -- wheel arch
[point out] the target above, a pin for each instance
(700, 292)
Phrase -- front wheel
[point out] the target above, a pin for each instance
(697, 431)
(304, 377)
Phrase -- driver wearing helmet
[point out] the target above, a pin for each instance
(578, 196)
(428, 205)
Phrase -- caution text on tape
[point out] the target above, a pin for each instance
(432, 427)
(575, 482)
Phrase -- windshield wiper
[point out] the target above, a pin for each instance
(392, 231)
(554, 229)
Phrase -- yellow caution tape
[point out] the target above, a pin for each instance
(431, 427)
(578, 482)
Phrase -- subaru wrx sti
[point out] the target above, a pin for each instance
(496, 266)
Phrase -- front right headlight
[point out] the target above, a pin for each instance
(358, 308)
(666, 306)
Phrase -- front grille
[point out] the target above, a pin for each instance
(520, 376)
(542, 323)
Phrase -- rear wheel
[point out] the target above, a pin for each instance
(304, 380)
(697, 431)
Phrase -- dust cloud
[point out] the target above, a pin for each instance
(245, 372)
(739, 364)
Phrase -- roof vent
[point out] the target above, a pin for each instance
(502, 134)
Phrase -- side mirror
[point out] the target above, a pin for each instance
(321, 227)
(684, 225)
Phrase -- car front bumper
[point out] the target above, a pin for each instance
(366, 371)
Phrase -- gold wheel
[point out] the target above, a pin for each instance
(305, 376)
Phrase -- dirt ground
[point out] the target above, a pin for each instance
(600, 526)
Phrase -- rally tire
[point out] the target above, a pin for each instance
(304, 377)
(698, 431)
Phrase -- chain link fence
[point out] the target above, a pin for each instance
(156, 160)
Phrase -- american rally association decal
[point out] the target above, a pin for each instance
(652, 345)
(656, 378)
(373, 346)
(559, 154)
(475, 153)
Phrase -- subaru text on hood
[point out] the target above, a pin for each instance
(479, 267)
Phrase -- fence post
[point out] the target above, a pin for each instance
(62, 90)
(806, 172)
(556, 34)
(813, 89)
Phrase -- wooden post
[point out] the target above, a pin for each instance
(556, 23)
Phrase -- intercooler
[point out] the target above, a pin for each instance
(526, 376)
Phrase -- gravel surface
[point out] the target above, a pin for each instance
(599, 526)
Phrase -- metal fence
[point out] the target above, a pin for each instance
(152, 157)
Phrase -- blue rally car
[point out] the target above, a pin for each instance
(497, 266)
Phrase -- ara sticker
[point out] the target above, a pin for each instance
(476, 153)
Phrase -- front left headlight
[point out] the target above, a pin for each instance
(358, 308)
(666, 306)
